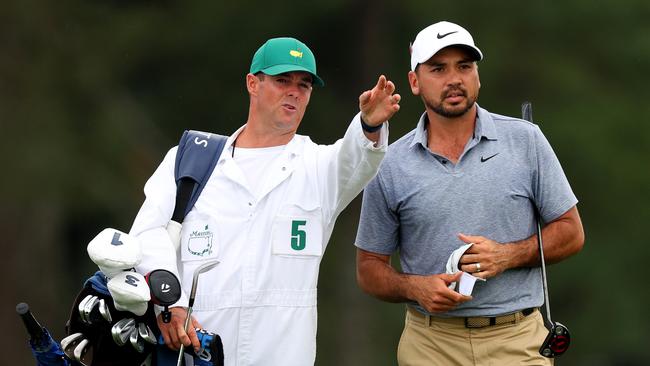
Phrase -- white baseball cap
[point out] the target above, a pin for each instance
(437, 36)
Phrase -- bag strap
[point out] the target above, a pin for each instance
(197, 155)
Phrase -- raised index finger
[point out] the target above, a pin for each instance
(381, 83)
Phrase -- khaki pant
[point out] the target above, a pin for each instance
(430, 341)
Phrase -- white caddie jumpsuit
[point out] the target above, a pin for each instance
(261, 298)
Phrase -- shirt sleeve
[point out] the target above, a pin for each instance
(150, 224)
(348, 165)
(379, 224)
(552, 192)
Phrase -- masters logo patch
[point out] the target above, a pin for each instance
(200, 242)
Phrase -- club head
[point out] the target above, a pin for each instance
(205, 267)
(69, 343)
(557, 341)
(83, 353)
(121, 331)
(199, 270)
(88, 308)
(146, 333)
(104, 311)
(136, 341)
(81, 307)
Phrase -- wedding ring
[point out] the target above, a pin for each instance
(478, 267)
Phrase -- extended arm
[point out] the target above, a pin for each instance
(562, 238)
(378, 278)
(378, 105)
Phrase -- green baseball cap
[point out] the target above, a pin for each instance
(280, 55)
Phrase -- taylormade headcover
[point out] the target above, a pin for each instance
(130, 292)
(114, 251)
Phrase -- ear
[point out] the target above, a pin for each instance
(252, 83)
(413, 83)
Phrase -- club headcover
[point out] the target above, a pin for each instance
(130, 292)
(114, 251)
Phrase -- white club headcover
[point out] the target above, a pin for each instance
(114, 251)
(130, 292)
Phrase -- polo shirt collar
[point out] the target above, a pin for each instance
(485, 125)
(420, 136)
(484, 128)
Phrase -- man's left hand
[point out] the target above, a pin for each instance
(486, 258)
(379, 104)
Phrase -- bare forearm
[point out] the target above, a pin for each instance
(561, 238)
(378, 278)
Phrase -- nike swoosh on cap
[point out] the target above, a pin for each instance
(484, 159)
(441, 36)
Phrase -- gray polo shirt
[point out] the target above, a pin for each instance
(420, 201)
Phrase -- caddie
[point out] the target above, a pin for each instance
(266, 213)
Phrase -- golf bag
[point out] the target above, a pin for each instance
(102, 347)
(197, 155)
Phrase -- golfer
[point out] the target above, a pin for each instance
(464, 175)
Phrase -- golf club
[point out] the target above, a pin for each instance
(136, 341)
(165, 290)
(72, 338)
(104, 311)
(146, 333)
(121, 331)
(70, 343)
(195, 281)
(558, 339)
(83, 353)
(88, 308)
(81, 307)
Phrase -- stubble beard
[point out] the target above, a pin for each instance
(453, 112)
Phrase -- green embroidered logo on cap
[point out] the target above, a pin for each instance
(295, 53)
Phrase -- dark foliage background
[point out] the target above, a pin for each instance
(92, 93)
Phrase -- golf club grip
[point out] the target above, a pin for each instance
(34, 329)
(527, 111)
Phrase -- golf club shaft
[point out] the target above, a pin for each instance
(527, 114)
(186, 328)
(543, 265)
(195, 281)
